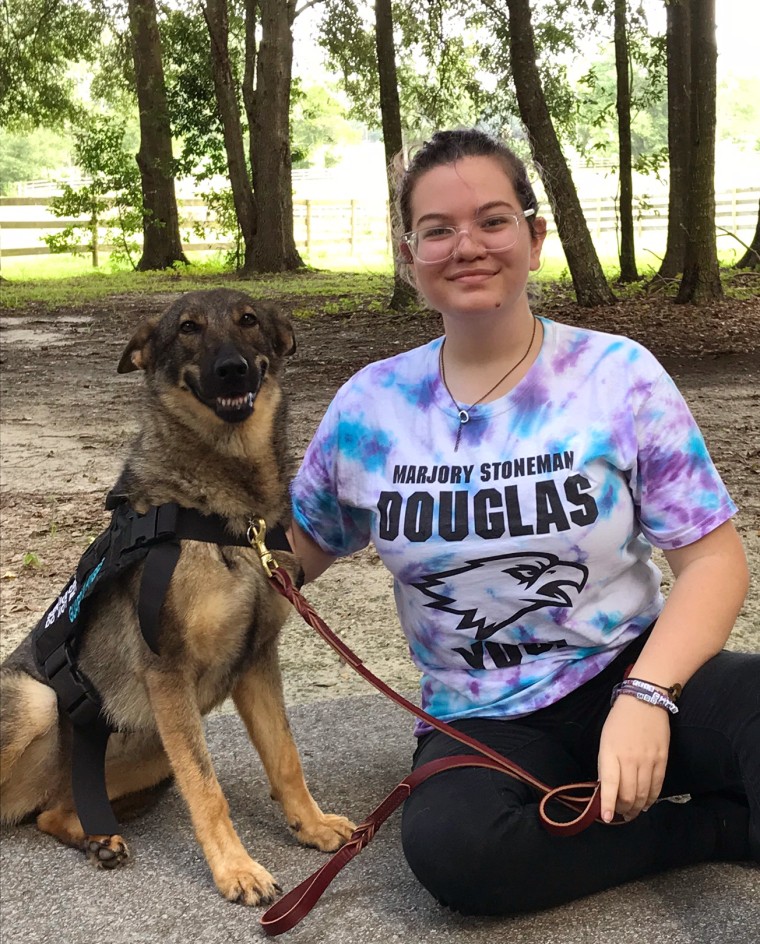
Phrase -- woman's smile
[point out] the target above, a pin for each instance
(471, 276)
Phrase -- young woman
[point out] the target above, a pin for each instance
(513, 476)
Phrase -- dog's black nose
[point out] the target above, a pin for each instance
(229, 366)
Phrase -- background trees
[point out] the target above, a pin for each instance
(210, 88)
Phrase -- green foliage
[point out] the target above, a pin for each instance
(739, 115)
(318, 125)
(594, 125)
(39, 40)
(31, 559)
(190, 93)
(436, 66)
(112, 199)
(28, 156)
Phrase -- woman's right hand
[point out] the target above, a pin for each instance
(633, 754)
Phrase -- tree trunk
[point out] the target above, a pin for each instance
(249, 77)
(628, 271)
(679, 118)
(162, 246)
(390, 110)
(701, 275)
(275, 248)
(217, 20)
(751, 258)
(590, 285)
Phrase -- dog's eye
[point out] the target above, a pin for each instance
(247, 319)
(189, 327)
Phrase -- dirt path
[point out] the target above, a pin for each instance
(67, 416)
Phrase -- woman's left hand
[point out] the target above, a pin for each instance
(633, 753)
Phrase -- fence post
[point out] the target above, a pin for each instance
(308, 225)
(353, 227)
(94, 231)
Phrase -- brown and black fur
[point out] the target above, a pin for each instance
(212, 437)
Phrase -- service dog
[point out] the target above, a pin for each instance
(212, 437)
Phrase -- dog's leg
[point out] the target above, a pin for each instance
(28, 744)
(238, 877)
(62, 822)
(258, 698)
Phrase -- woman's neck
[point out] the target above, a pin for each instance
(477, 339)
(478, 353)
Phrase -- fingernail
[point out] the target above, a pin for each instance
(607, 816)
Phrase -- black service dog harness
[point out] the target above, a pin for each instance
(153, 537)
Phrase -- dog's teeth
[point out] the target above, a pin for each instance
(234, 403)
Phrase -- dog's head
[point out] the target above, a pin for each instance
(218, 347)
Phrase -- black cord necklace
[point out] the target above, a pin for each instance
(464, 415)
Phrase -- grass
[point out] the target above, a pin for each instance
(60, 281)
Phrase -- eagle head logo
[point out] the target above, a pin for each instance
(492, 592)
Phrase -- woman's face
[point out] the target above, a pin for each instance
(473, 280)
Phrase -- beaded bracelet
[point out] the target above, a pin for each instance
(672, 691)
(644, 691)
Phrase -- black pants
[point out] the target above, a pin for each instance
(473, 837)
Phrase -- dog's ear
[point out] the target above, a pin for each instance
(284, 336)
(136, 354)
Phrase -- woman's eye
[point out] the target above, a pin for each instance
(436, 232)
(495, 222)
(189, 327)
(248, 318)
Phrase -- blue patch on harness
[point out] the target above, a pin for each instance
(77, 602)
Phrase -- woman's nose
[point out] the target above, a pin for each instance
(467, 247)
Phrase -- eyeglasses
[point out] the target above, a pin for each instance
(496, 233)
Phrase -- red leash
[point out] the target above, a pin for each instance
(582, 798)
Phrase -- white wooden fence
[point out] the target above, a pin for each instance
(352, 227)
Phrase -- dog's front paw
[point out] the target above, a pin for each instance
(247, 882)
(106, 852)
(327, 833)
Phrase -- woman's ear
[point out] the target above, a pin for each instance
(405, 253)
(538, 235)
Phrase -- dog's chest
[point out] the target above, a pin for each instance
(227, 609)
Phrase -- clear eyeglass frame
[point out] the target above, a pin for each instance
(411, 239)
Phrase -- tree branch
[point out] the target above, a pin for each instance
(306, 5)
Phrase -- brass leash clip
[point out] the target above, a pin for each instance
(257, 535)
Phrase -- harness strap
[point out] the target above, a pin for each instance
(156, 577)
(88, 782)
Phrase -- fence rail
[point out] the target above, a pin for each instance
(356, 225)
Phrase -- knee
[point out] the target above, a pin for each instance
(463, 861)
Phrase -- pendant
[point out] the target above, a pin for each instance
(464, 417)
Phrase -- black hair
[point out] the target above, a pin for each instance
(447, 147)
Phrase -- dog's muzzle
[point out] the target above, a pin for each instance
(231, 386)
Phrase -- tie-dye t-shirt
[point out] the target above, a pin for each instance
(521, 560)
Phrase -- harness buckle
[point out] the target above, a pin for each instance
(256, 535)
(73, 689)
(158, 522)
